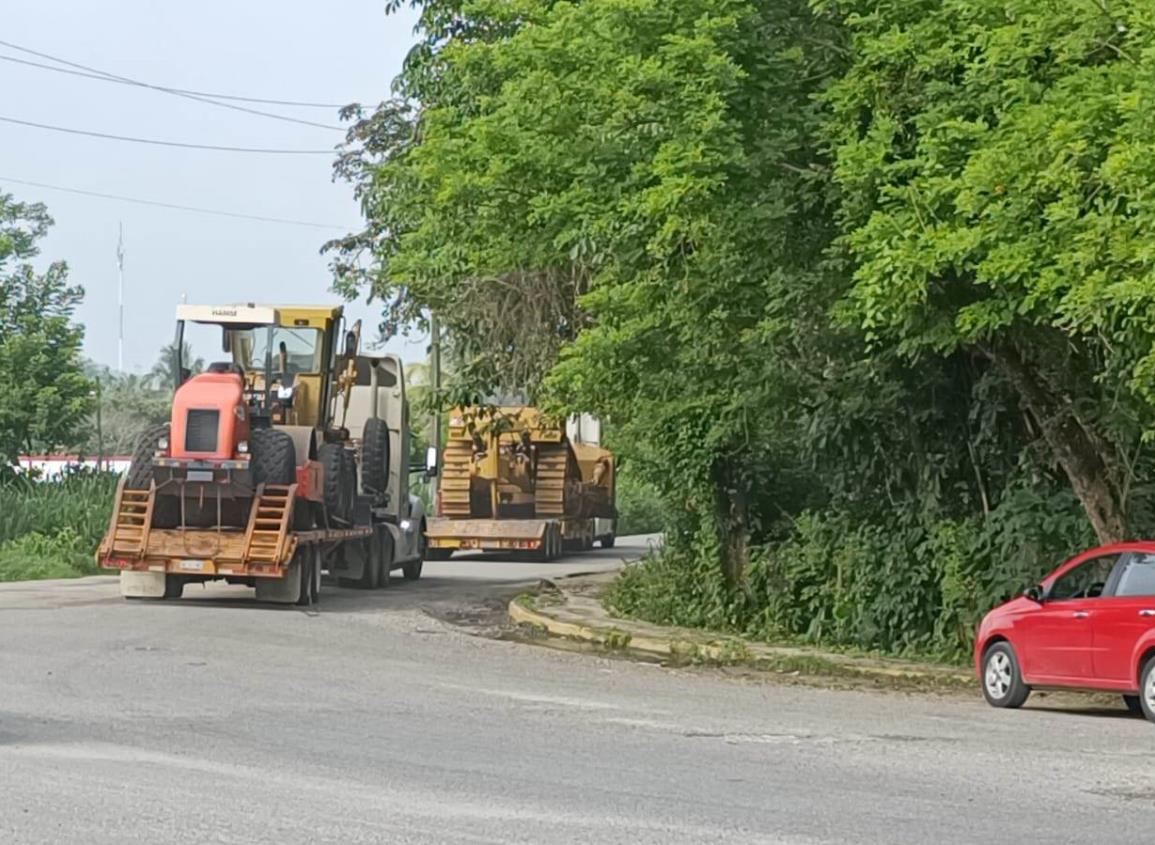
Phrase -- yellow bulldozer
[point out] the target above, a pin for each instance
(513, 479)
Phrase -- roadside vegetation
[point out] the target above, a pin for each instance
(53, 401)
(863, 290)
(50, 529)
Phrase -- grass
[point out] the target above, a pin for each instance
(50, 529)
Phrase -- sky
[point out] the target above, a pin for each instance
(297, 50)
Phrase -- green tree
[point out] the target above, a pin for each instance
(129, 406)
(637, 179)
(44, 395)
(994, 161)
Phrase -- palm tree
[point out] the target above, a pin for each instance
(163, 375)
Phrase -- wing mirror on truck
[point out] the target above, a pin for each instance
(431, 461)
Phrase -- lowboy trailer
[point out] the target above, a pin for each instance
(288, 460)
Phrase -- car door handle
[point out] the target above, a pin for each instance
(1147, 612)
(1081, 614)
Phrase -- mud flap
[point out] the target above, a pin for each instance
(142, 585)
(283, 590)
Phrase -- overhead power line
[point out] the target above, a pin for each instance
(213, 95)
(171, 205)
(162, 143)
(105, 76)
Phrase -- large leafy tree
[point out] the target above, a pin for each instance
(996, 170)
(635, 176)
(44, 394)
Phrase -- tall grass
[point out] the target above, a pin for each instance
(50, 529)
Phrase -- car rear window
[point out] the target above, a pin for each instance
(1138, 577)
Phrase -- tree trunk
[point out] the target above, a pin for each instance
(1083, 455)
(733, 514)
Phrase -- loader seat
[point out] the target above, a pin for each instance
(226, 367)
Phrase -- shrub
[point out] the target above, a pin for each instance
(50, 529)
(903, 585)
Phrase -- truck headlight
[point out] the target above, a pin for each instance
(243, 447)
(162, 444)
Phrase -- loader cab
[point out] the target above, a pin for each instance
(287, 358)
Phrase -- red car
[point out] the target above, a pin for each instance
(1089, 625)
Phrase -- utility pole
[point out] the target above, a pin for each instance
(120, 299)
(99, 429)
(435, 386)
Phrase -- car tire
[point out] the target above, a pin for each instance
(1003, 684)
(1147, 689)
(1133, 704)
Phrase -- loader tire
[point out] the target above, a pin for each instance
(350, 477)
(335, 487)
(375, 457)
(140, 470)
(274, 461)
(274, 457)
(165, 509)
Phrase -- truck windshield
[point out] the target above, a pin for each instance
(294, 350)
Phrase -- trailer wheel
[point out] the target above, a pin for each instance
(334, 486)
(310, 591)
(375, 457)
(550, 547)
(173, 586)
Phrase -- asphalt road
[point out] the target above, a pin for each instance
(215, 719)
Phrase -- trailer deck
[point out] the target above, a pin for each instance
(261, 550)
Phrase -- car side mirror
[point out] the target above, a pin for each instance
(1034, 593)
(431, 461)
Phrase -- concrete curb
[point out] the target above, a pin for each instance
(671, 645)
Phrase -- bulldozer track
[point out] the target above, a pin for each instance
(455, 479)
(550, 480)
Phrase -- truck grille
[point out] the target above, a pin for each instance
(200, 434)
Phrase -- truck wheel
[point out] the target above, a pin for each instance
(383, 554)
(334, 485)
(375, 457)
(608, 541)
(411, 569)
(370, 577)
(165, 509)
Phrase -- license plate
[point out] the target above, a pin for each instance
(200, 475)
(195, 565)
